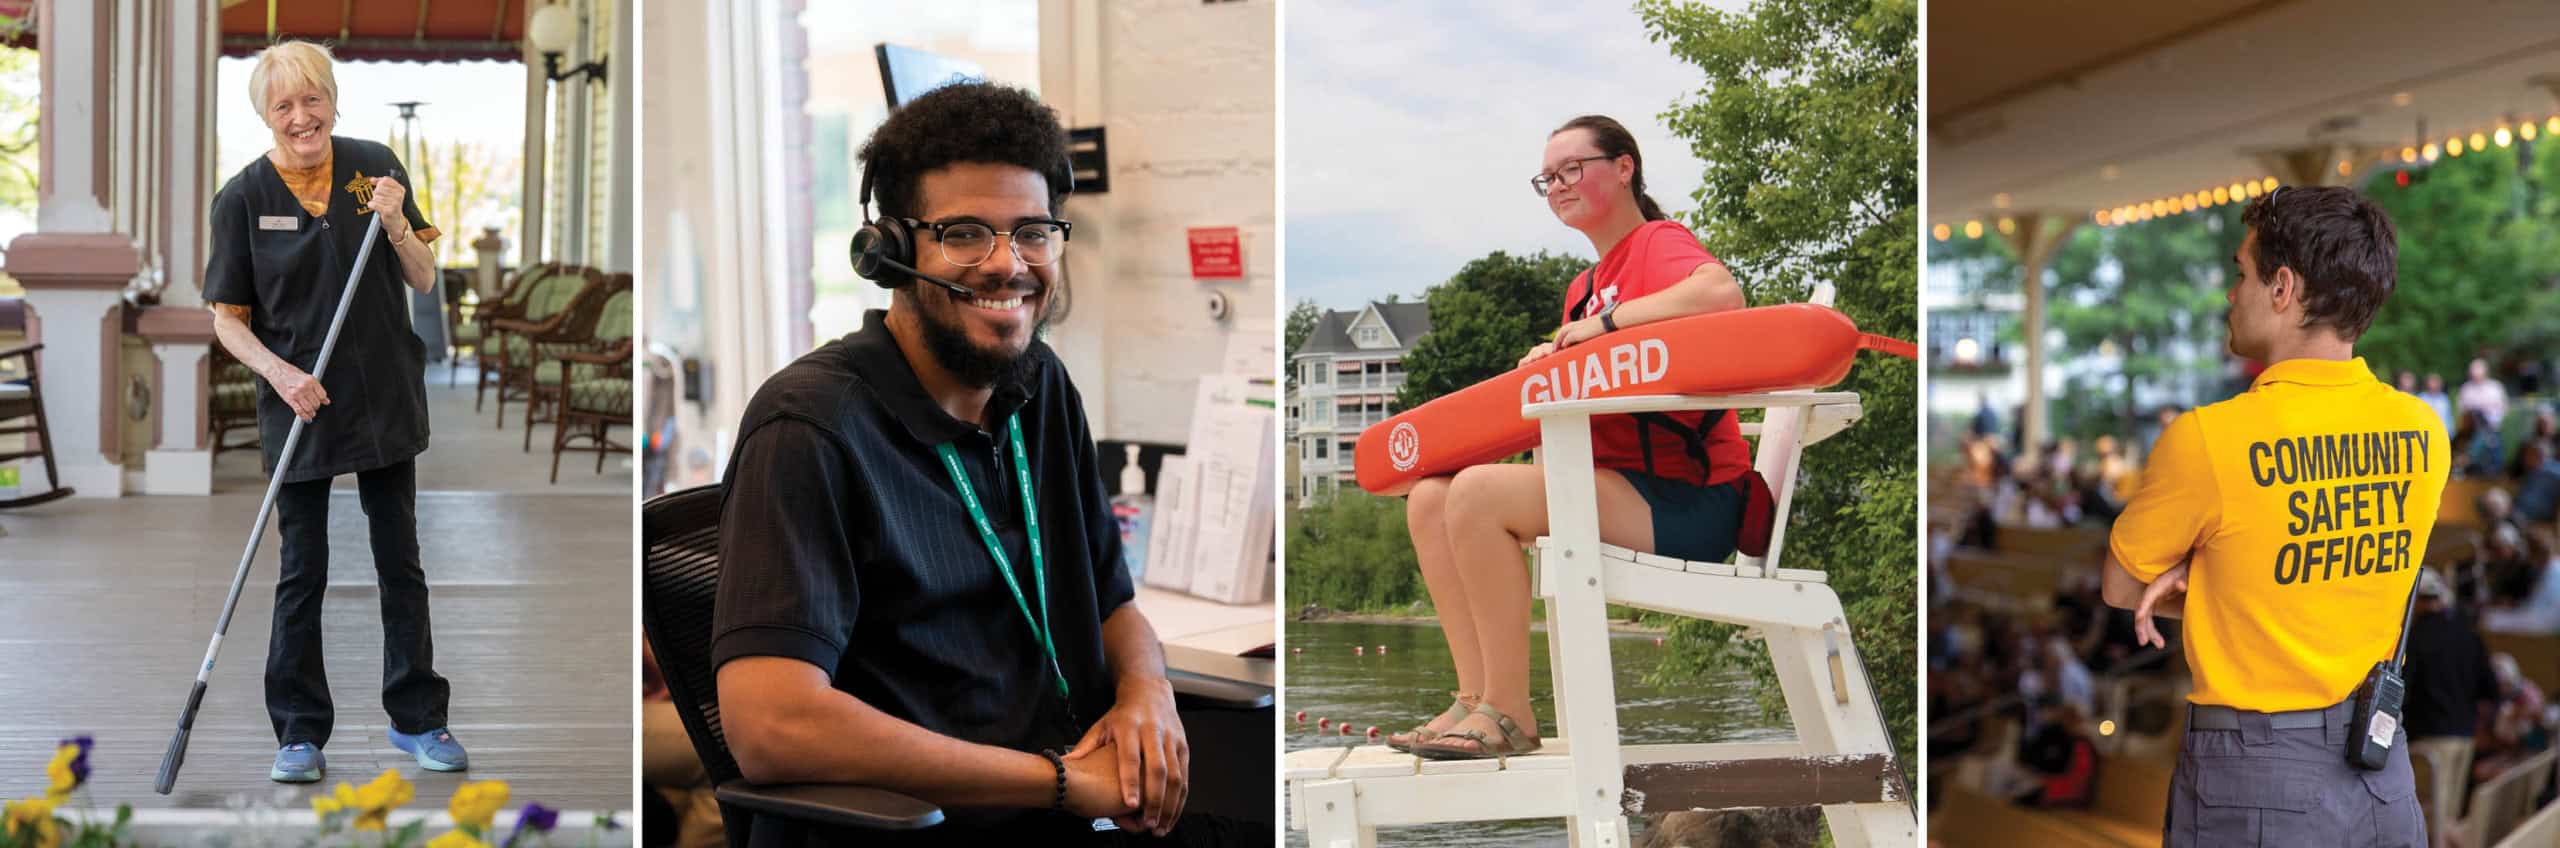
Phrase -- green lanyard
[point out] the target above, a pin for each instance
(1004, 564)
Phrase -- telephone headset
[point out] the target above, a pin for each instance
(884, 250)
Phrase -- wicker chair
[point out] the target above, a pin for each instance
(590, 386)
(22, 414)
(540, 313)
(570, 330)
(508, 304)
(231, 403)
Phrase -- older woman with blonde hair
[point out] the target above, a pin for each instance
(286, 229)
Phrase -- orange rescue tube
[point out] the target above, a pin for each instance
(1762, 349)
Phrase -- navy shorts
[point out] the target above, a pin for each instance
(1690, 521)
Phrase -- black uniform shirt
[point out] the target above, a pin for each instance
(843, 544)
(288, 268)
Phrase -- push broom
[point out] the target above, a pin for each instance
(177, 755)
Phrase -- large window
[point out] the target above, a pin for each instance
(845, 103)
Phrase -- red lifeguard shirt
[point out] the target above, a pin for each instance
(1655, 256)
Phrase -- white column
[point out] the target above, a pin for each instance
(575, 93)
(180, 465)
(186, 178)
(537, 92)
(79, 332)
(75, 266)
(623, 80)
(74, 137)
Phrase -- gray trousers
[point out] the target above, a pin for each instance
(2262, 786)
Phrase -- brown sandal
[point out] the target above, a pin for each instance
(1510, 746)
(1459, 706)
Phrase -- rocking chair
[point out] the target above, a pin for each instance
(20, 401)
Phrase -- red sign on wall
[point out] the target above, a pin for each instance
(1217, 253)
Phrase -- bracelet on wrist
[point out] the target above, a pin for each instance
(1057, 802)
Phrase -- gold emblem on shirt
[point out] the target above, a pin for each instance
(362, 188)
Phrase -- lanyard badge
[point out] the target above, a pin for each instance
(995, 547)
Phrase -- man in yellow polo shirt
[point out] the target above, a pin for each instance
(2286, 525)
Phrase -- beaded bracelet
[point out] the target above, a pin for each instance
(1058, 803)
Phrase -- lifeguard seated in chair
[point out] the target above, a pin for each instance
(1658, 315)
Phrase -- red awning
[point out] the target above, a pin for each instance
(380, 30)
(370, 31)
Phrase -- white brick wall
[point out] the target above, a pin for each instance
(1185, 91)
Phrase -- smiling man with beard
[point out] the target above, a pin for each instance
(921, 586)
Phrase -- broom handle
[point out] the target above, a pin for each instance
(266, 507)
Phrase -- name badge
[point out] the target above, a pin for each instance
(286, 223)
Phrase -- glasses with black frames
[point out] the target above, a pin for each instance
(967, 243)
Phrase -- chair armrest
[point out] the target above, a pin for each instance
(1678, 403)
(596, 357)
(519, 325)
(1193, 691)
(833, 805)
(20, 351)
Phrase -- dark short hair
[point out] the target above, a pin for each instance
(967, 121)
(2340, 244)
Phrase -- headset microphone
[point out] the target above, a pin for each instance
(957, 290)
(868, 260)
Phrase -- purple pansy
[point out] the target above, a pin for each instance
(80, 761)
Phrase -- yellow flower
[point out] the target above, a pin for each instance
(31, 823)
(456, 839)
(474, 804)
(374, 802)
(327, 805)
(59, 772)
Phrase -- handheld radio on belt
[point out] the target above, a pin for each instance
(2377, 713)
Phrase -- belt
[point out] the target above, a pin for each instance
(2218, 717)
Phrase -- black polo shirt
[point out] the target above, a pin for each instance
(843, 544)
(288, 267)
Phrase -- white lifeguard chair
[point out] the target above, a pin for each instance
(1842, 758)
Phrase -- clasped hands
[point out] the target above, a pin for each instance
(1134, 765)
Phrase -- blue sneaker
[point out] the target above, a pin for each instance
(299, 762)
(436, 749)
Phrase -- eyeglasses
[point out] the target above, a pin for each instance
(968, 243)
(1565, 176)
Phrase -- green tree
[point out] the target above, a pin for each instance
(1483, 318)
(1351, 551)
(2151, 294)
(18, 112)
(1808, 124)
(2476, 270)
(1301, 323)
(472, 186)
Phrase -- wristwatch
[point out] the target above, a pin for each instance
(1606, 322)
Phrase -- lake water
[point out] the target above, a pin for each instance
(1410, 683)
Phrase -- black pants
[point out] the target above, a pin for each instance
(297, 682)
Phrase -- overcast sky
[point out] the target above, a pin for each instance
(1413, 129)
